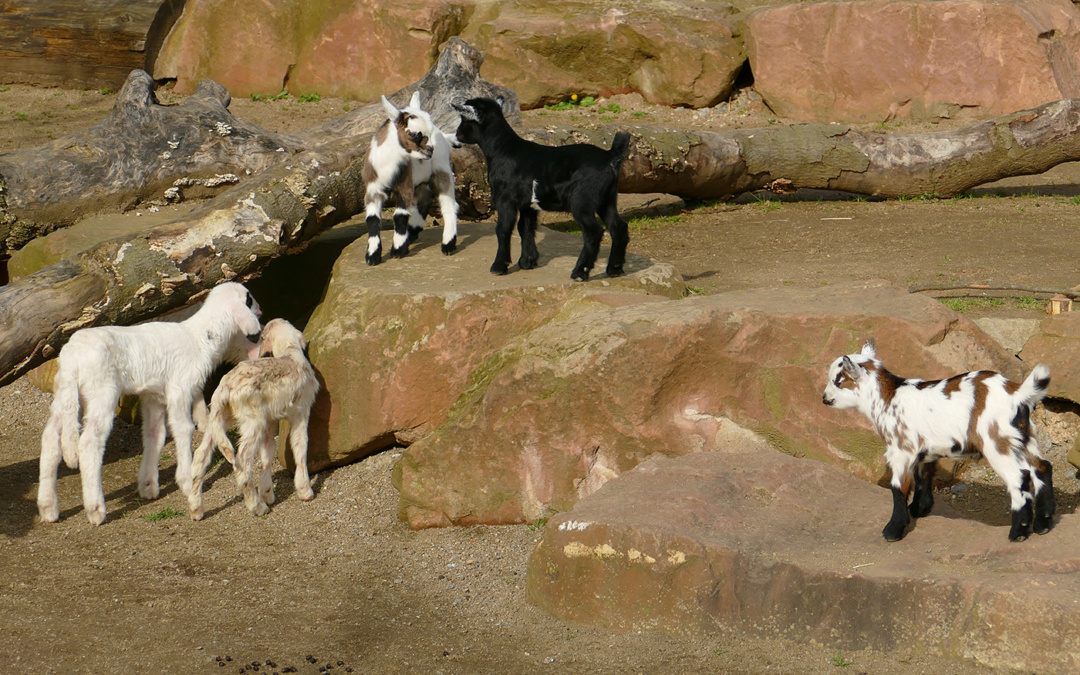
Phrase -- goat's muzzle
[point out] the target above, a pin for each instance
(826, 400)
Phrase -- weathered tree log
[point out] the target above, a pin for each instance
(133, 278)
(142, 148)
(711, 165)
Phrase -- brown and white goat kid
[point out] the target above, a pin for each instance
(981, 412)
(402, 138)
(256, 395)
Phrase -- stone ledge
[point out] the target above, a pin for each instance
(759, 543)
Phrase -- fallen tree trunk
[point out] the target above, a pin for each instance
(715, 165)
(143, 148)
(137, 277)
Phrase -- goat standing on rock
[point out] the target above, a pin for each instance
(526, 177)
(409, 157)
(980, 412)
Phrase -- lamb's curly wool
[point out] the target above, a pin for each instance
(255, 396)
(165, 364)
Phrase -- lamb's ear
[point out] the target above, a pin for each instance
(852, 369)
(391, 112)
(414, 102)
(246, 319)
(868, 348)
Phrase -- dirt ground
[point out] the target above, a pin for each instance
(340, 584)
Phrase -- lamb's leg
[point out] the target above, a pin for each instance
(922, 501)
(153, 438)
(526, 225)
(47, 500)
(298, 439)
(183, 429)
(504, 227)
(1045, 506)
(620, 237)
(266, 472)
(246, 454)
(592, 233)
(97, 424)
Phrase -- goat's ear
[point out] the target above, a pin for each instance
(868, 348)
(851, 369)
(414, 102)
(501, 101)
(391, 111)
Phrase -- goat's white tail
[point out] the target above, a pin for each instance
(1034, 387)
(216, 428)
(64, 416)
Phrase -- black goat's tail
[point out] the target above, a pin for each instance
(619, 148)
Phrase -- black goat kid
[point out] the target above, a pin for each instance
(526, 177)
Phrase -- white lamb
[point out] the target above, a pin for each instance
(165, 363)
(255, 396)
(409, 158)
(980, 412)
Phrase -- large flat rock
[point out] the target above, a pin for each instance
(766, 544)
(398, 344)
(552, 414)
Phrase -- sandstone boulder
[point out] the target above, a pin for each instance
(552, 415)
(359, 49)
(399, 344)
(1057, 345)
(671, 52)
(925, 59)
(765, 544)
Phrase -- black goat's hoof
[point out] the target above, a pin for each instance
(449, 247)
(893, 532)
(373, 258)
(500, 269)
(580, 275)
(615, 271)
(412, 234)
(528, 263)
(400, 252)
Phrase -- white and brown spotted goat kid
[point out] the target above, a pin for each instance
(981, 412)
(409, 157)
(255, 396)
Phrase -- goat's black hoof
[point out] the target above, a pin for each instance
(528, 263)
(1041, 526)
(893, 532)
(449, 247)
(400, 252)
(500, 269)
(412, 234)
(580, 275)
(921, 509)
(615, 271)
(373, 258)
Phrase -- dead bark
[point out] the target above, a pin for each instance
(714, 165)
(133, 278)
(143, 148)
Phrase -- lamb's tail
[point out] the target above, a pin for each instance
(619, 148)
(63, 425)
(1034, 388)
(216, 428)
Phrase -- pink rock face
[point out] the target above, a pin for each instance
(360, 49)
(869, 61)
(671, 52)
(775, 546)
(1057, 344)
(549, 418)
